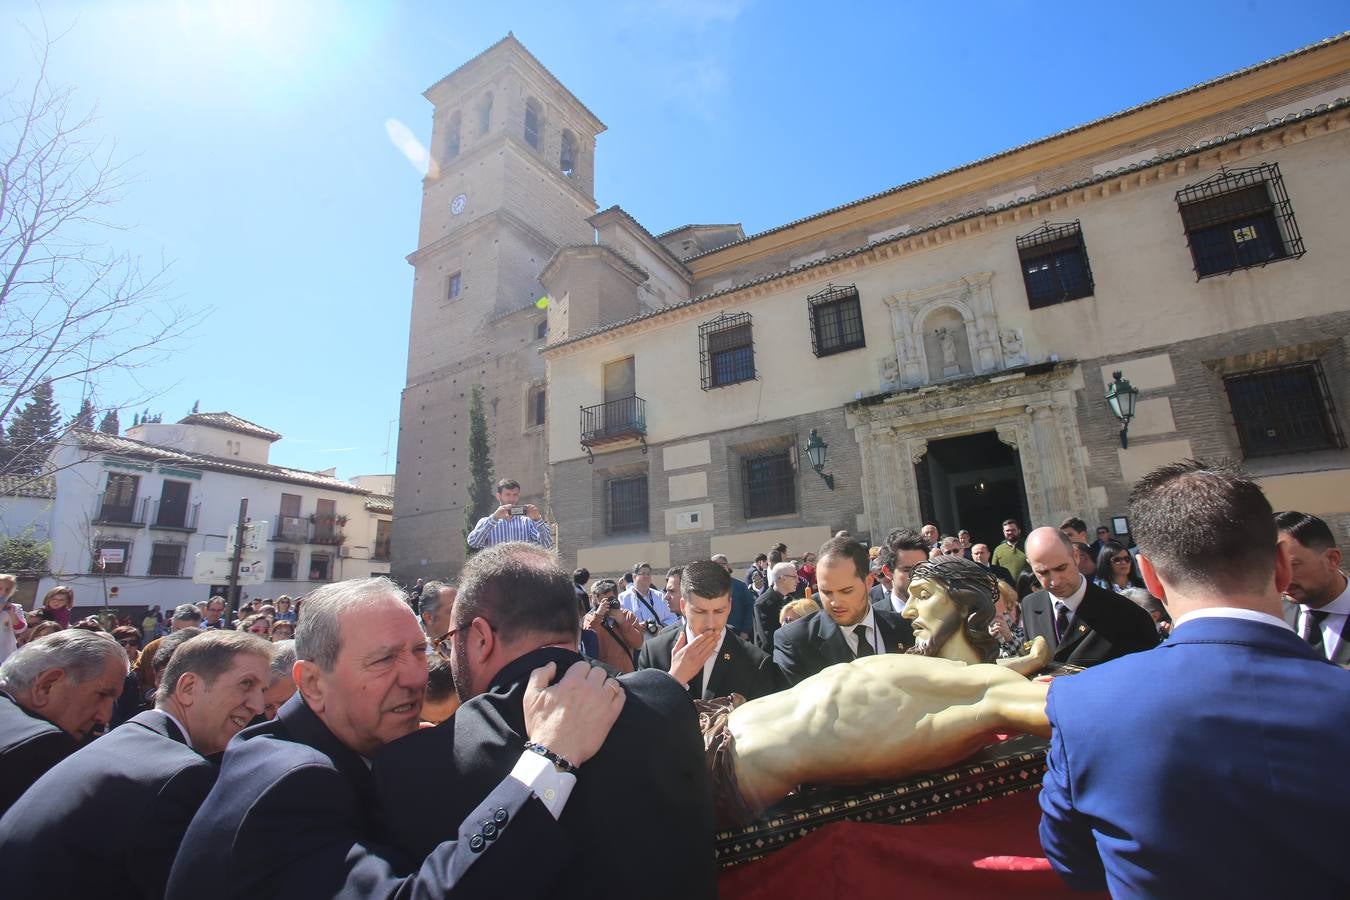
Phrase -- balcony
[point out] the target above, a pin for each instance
(174, 516)
(327, 530)
(292, 530)
(614, 422)
(129, 515)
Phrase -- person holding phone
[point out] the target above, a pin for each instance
(510, 521)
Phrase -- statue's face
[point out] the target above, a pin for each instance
(933, 614)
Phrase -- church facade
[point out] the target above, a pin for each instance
(950, 341)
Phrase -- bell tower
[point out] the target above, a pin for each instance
(510, 180)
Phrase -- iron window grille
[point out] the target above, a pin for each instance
(627, 507)
(1055, 264)
(1238, 219)
(112, 568)
(835, 316)
(166, 559)
(769, 484)
(726, 350)
(1283, 410)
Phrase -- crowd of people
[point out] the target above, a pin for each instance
(417, 743)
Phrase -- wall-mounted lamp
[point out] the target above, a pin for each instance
(815, 451)
(1120, 396)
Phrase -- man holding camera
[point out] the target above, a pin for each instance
(646, 602)
(618, 634)
(510, 522)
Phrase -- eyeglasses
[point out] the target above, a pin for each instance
(1123, 559)
(442, 644)
(127, 642)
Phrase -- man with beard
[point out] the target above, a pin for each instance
(1320, 612)
(148, 776)
(516, 611)
(291, 813)
(890, 715)
(848, 627)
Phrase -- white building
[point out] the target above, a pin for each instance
(166, 492)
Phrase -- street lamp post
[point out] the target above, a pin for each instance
(1121, 396)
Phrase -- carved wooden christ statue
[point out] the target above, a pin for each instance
(882, 717)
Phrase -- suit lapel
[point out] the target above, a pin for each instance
(834, 646)
(1039, 620)
(729, 657)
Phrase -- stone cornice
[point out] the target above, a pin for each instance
(486, 220)
(1233, 149)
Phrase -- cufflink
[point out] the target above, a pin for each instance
(477, 843)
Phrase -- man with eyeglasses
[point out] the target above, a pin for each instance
(782, 587)
(617, 634)
(303, 782)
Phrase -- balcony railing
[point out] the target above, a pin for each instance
(292, 529)
(132, 515)
(618, 420)
(328, 530)
(175, 516)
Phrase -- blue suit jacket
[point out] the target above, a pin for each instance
(742, 618)
(1210, 766)
(291, 817)
(117, 808)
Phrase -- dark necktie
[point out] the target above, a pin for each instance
(1314, 625)
(864, 645)
(1061, 621)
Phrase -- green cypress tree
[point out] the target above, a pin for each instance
(482, 501)
(85, 417)
(110, 423)
(33, 431)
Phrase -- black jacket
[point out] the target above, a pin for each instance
(117, 808)
(648, 779)
(804, 647)
(767, 608)
(1105, 626)
(29, 746)
(741, 668)
(290, 817)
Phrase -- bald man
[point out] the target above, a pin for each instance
(1084, 625)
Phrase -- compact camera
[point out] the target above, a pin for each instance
(612, 602)
(652, 627)
(517, 510)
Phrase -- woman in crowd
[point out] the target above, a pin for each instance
(807, 570)
(1116, 570)
(38, 626)
(282, 630)
(1007, 627)
(130, 639)
(797, 609)
(257, 624)
(57, 604)
(284, 611)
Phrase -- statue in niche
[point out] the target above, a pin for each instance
(889, 370)
(1014, 350)
(948, 345)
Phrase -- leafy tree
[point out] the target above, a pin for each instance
(24, 553)
(32, 432)
(110, 423)
(482, 501)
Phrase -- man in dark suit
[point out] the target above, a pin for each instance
(148, 776)
(782, 585)
(514, 612)
(1227, 781)
(1084, 625)
(903, 549)
(290, 814)
(54, 692)
(848, 627)
(1320, 613)
(980, 554)
(707, 656)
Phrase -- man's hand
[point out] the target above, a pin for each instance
(573, 717)
(590, 621)
(503, 512)
(688, 657)
(533, 512)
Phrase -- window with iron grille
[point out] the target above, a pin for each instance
(112, 566)
(769, 484)
(1239, 218)
(283, 565)
(627, 507)
(1283, 410)
(166, 559)
(1055, 264)
(726, 350)
(836, 320)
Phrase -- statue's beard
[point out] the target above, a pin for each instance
(933, 643)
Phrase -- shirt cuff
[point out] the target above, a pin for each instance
(544, 781)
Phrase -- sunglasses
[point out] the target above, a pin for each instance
(1123, 559)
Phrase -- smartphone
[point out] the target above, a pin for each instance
(517, 510)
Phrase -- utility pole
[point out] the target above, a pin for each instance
(238, 553)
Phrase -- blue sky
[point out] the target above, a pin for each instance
(267, 178)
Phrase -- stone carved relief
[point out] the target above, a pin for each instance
(888, 372)
(971, 343)
(1014, 348)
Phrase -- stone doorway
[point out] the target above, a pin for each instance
(974, 482)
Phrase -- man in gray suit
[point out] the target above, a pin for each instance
(1320, 612)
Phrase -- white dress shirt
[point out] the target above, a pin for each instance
(1074, 600)
(1333, 625)
(1230, 612)
(851, 635)
(710, 661)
